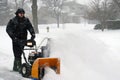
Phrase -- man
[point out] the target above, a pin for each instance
(17, 29)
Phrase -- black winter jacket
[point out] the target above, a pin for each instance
(17, 28)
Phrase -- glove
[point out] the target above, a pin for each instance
(33, 37)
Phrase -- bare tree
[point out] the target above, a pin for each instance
(56, 7)
(34, 14)
(96, 8)
(23, 1)
(16, 4)
(117, 2)
(101, 11)
(19, 3)
(104, 13)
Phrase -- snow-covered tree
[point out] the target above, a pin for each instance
(19, 3)
(4, 12)
(102, 10)
(56, 7)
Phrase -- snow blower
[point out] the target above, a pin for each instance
(38, 60)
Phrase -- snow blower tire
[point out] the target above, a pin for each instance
(25, 70)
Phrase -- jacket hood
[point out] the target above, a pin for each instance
(20, 10)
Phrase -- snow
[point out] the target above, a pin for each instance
(85, 54)
(50, 74)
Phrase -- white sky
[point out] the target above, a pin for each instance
(83, 1)
(79, 1)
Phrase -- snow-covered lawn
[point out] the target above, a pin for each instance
(85, 54)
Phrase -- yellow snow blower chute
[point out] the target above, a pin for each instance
(40, 63)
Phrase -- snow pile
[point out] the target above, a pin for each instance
(84, 57)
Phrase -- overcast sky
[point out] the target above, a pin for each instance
(83, 1)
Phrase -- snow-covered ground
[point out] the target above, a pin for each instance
(85, 54)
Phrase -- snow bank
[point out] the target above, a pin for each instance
(84, 57)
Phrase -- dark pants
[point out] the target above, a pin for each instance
(17, 50)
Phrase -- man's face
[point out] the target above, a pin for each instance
(21, 15)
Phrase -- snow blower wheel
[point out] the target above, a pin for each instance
(25, 70)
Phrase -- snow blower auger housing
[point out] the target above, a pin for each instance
(41, 63)
(34, 67)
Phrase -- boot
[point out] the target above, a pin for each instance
(17, 65)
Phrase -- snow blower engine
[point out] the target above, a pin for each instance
(34, 67)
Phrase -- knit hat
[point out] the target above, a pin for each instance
(20, 10)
